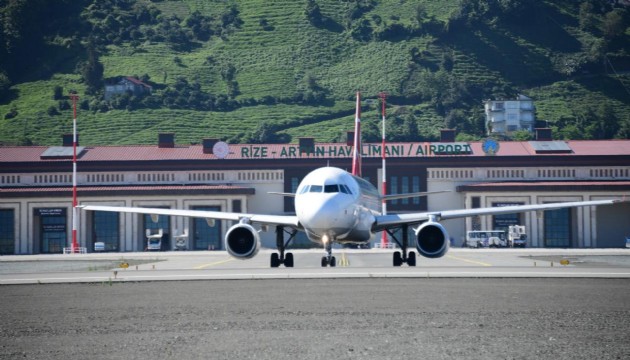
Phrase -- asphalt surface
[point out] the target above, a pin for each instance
(206, 265)
(366, 318)
(469, 304)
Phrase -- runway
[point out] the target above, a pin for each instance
(471, 304)
(372, 263)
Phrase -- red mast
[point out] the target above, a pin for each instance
(384, 241)
(75, 244)
(356, 156)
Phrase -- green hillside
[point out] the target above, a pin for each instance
(275, 70)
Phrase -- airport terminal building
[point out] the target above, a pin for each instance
(36, 188)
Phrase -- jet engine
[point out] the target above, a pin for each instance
(432, 240)
(242, 241)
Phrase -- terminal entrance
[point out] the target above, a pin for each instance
(154, 227)
(7, 235)
(52, 230)
(106, 230)
(557, 229)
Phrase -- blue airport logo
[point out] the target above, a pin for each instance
(490, 146)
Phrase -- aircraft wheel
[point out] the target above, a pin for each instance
(333, 262)
(275, 260)
(288, 260)
(397, 258)
(324, 261)
(411, 259)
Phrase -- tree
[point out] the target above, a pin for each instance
(92, 71)
(5, 84)
(455, 119)
(586, 16)
(607, 123)
(613, 24)
(522, 135)
(58, 93)
(312, 12)
(264, 133)
(410, 128)
(201, 26)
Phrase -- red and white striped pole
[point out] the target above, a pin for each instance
(358, 147)
(75, 245)
(384, 236)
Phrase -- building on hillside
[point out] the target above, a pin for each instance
(506, 116)
(127, 84)
(36, 188)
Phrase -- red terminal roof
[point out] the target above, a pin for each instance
(9, 154)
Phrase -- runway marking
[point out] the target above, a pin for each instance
(213, 264)
(344, 260)
(468, 260)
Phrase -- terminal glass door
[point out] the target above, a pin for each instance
(558, 228)
(206, 237)
(7, 231)
(52, 230)
(106, 229)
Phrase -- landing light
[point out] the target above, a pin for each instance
(325, 239)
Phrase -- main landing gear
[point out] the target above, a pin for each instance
(329, 260)
(281, 257)
(401, 257)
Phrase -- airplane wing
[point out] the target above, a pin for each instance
(388, 221)
(281, 193)
(411, 195)
(285, 220)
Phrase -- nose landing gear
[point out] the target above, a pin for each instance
(328, 260)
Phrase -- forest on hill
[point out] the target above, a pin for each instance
(261, 71)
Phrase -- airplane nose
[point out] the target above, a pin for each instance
(322, 215)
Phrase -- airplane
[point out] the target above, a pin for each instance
(336, 206)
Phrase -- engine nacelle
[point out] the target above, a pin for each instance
(242, 241)
(432, 240)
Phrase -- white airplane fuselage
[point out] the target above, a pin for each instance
(334, 205)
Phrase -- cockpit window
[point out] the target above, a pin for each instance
(334, 188)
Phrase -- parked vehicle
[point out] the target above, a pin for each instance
(517, 236)
(486, 238)
(154, 241)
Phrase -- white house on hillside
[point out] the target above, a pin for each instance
(507, 116)
(127, 84)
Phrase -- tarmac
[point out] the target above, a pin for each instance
(217, 265)
(470, 304)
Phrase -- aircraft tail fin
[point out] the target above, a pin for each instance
(356, 154)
